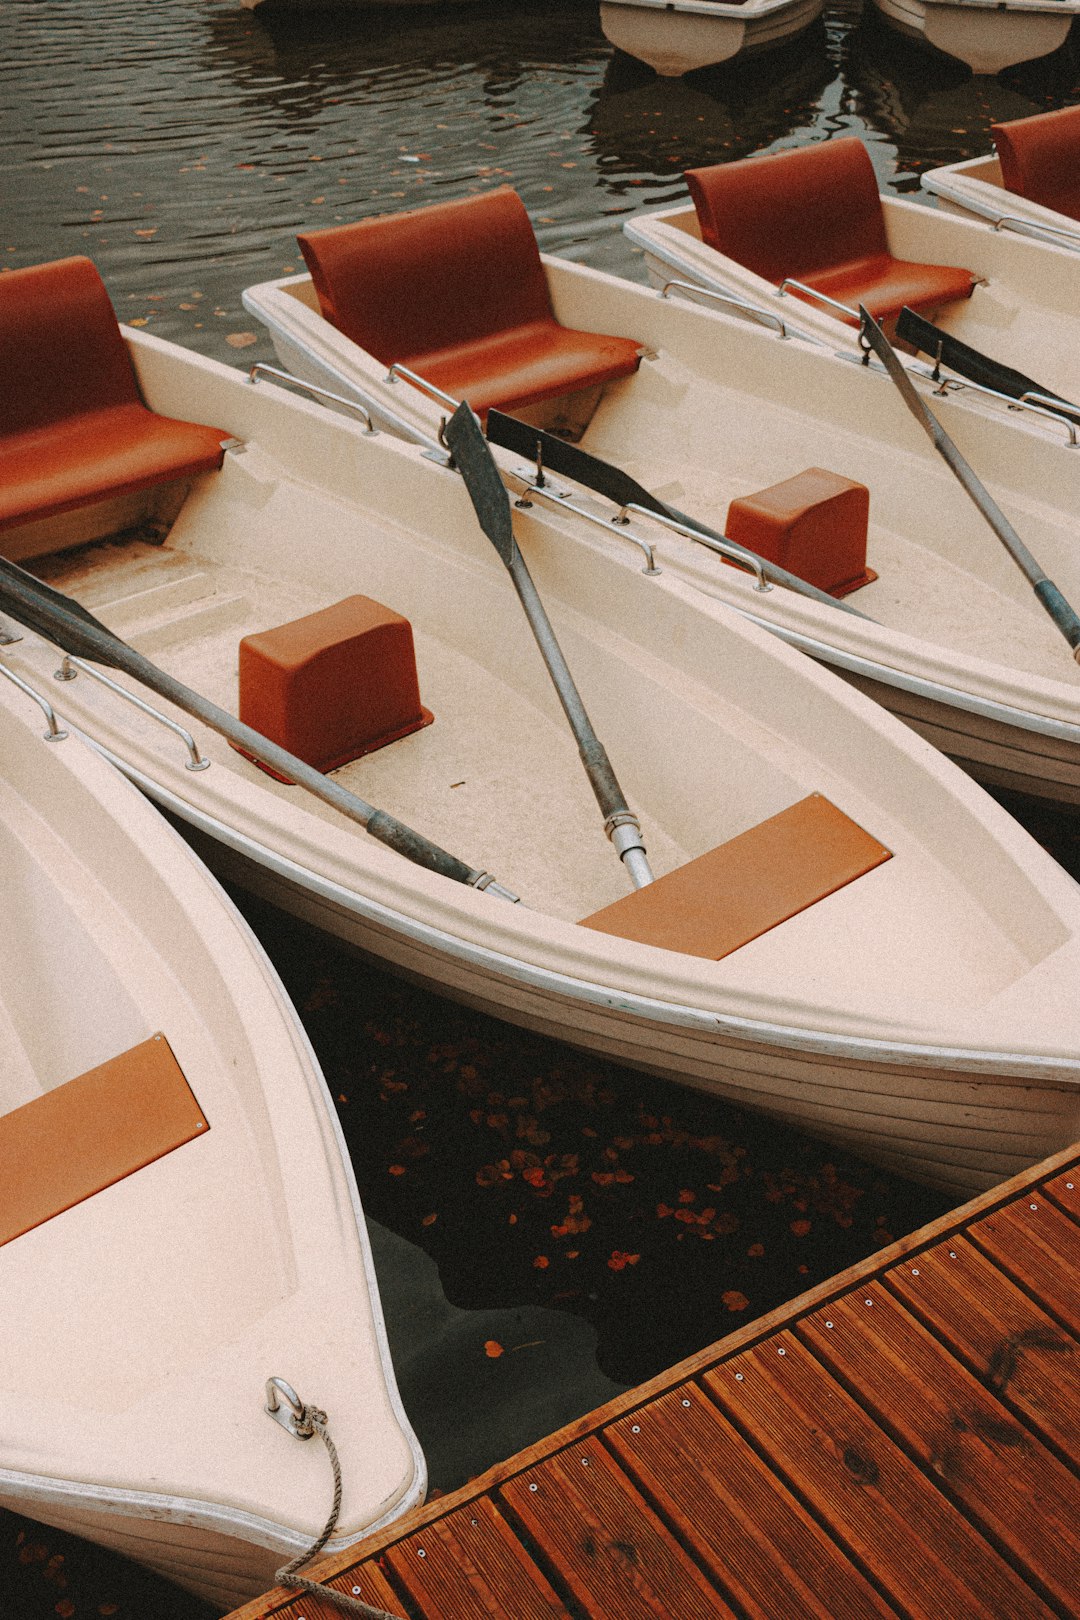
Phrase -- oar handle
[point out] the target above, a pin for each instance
(1061, 613)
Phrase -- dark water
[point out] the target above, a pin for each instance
(548, 1228)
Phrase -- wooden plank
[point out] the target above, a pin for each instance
(614, 1554)
(470, 1565)
(367, 1583)
(868, 1493)
(1065, 1188)
(755, 1538)
(1037, 1244)
(989, 1464)
(1019, 1352)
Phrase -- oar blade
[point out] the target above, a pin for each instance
(465, 438)
(56, 617)
(558, 456)
(979, 368)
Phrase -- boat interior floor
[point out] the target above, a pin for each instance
(493, 779)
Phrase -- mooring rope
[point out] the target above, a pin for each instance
(306, 1422)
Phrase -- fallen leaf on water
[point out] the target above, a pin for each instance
(151, 231)
(240, 340)
(800, 1228)
(492, 1348)
(734, 1300)
(396, 1169)
(139, 320)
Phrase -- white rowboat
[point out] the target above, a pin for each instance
(986, 35)
(680, 36)
(1027, 186)
(813, 203)
(922, 1012)
(719, 409)
(179, 1221)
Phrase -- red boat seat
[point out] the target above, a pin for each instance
(1040, 159)
(814, 213)
(73, 428)
(457, 293)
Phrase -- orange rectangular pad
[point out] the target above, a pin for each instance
(69, 1143)
(733, 893)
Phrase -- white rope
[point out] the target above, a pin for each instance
(307, 1422)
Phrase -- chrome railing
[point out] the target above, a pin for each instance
(54, 733)
(71, 666)
(812, 292)
(261, 369)
(764, 317)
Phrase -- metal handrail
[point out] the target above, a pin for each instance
(417, 381)
(54, 733)
(261, 369)
(725, 548)
(958, 385)
(70, 668)
(544, 492)
(1057, 407)
(1034, 227)
(764, 317)
(812, 292)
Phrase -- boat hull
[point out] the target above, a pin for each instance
(984, 36)
(680, 38)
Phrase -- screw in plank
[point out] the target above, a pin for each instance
(635, 1428)
(828, 1324)
(534, 1487)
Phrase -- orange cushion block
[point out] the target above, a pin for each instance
(71, 1142)
(1040, 158)
(73, 427)
(814, 213)
(741, 889)
(333, 685)
(457, 293)
(814, 525)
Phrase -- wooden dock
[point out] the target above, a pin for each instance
(900, 1441)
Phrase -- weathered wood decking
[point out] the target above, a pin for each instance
(902, 1440)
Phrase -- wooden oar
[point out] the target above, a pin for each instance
(604, 478)
(68, 625)
(473, 459)
(1045, 590)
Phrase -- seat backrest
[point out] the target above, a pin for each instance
(792, 213)
(1040, 158)
(61, 351)
(418, 282)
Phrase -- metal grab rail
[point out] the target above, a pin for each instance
(1056, 407)
(957, 385)
(70, 668)
(261, 369)
(724, 548)
(1034, 227)
(54, 733)
(812, 292)
(422, 383)
(764, 317)
(563, 503)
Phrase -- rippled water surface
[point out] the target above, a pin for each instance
(590, 1224)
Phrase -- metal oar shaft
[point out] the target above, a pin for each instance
(1045, 590)
(619, 819)
(70, 627)
(473, 460)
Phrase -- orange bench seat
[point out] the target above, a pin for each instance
(813, 214)
(1040, 158)
(456, 292)
(73, 427)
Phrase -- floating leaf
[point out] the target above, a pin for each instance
(492, 1348)
(241, 340)
(734, 1300)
